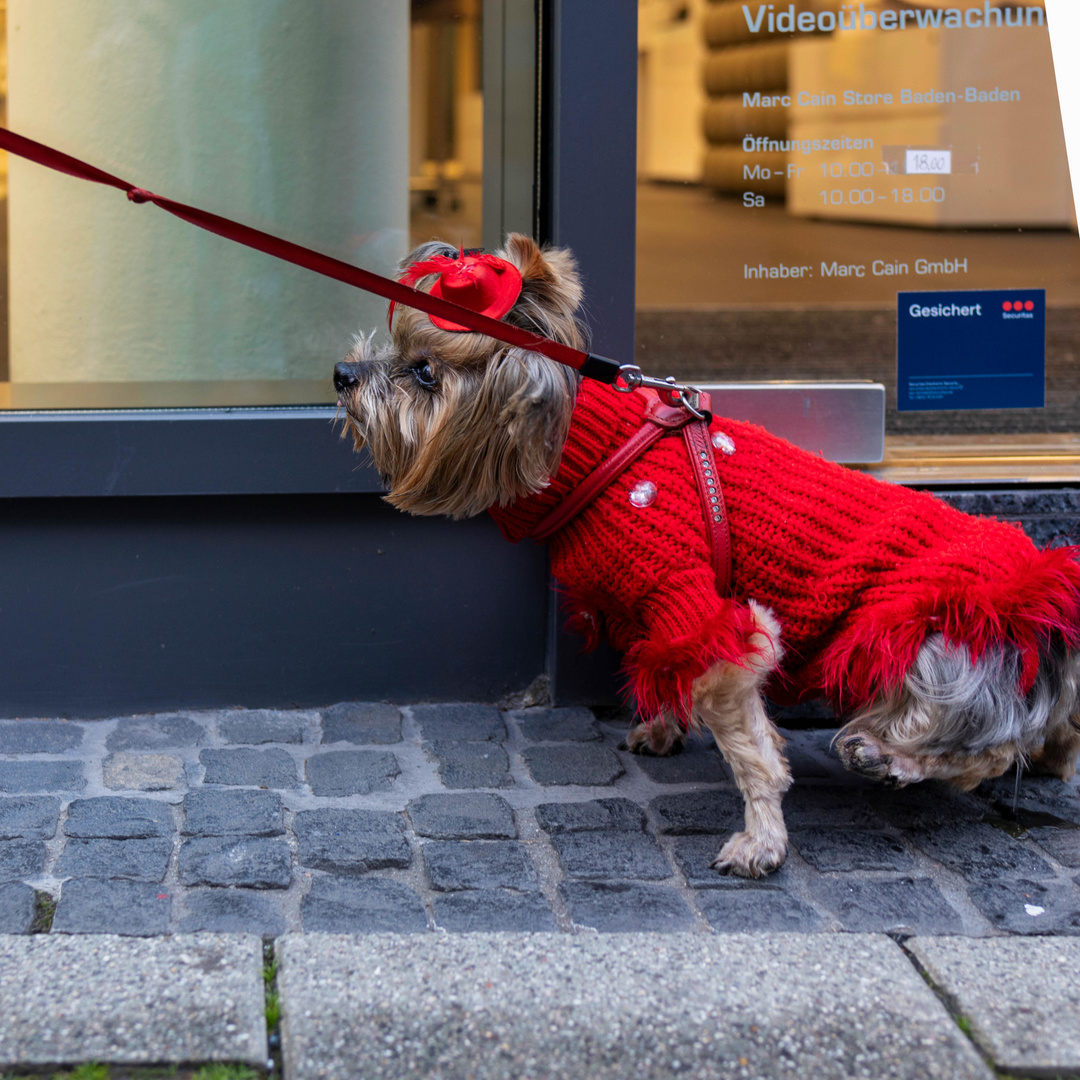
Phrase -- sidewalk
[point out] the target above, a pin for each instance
(911, 933)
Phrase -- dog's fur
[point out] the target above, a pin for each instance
(457, 423)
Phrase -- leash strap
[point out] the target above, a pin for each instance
(658, 420)
(594, 367)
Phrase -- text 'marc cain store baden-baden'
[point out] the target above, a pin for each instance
(854, 221)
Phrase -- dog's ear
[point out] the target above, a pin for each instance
(551, 290)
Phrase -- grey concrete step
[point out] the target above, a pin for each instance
(1019, 995)
(612, 1007)
(66, 1000)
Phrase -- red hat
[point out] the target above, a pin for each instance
(485, 284)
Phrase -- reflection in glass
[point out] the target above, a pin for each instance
(802, 162)
(346, 126)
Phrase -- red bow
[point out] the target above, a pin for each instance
(482, 283)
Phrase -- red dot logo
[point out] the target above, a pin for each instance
(1018, 305)
(1029, 305)
(1007, 306)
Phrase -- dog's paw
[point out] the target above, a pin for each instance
(658, 739)
(860, 754)
(746, 855)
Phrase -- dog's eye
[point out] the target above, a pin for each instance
(424, 375)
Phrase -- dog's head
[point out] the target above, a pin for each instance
(456, 421)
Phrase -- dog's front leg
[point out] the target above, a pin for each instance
(727, 699)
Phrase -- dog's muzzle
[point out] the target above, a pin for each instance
(346, 376)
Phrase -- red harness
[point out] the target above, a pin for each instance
(661, 419)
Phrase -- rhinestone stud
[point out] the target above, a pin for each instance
(643, 493)
(723, 443)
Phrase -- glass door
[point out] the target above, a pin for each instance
(828, 191)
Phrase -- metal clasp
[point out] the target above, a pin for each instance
(676, 394)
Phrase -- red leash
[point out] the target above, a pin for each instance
(594, 367)
(680, 407)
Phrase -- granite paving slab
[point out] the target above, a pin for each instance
(27, 776)
(1029, 907)
(39, 736)
(607, 855)
(572, 763)
(31, 817)
(558, 725)
(460, 722)
(255, 862)
(619, 906)
(351, 841)
(16, 908)
(21, 859)
(478, 864)
(1060, 844)
(464, 765)
(67, 1000)
(249, 768)
(1020, 996)
(232, 911)
(361, 723)
(212, 812)
(155, 732)
(892, 906)
(136, 860)
(96, 906)
(128, 770)
(363, 906)
(492, 910)
(256, 726)
(619, 815)
(351, 772)
(758, 910)
(117, 818)
(614, 1007)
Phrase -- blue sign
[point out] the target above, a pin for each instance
(979, 349)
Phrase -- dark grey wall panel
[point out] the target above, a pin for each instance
(118, 605)
(588, 195)
(590, 202)
(179, 452)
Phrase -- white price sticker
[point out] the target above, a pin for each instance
(928, 162)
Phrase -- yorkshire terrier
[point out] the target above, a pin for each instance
(949, 642)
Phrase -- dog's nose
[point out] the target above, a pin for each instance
(345, 376)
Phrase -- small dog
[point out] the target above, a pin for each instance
(950, 642)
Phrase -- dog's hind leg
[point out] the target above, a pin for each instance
(728, 701)
(964, 721)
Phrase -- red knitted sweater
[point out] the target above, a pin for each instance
(858, 571)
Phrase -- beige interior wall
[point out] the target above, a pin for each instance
(671, 91)
(285, 114)
(1021, 175)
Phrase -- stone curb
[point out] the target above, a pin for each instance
(638, 1005)
(70, 999)
(612, 1007)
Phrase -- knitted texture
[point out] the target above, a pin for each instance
(858, 571)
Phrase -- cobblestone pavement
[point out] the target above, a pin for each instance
(367, 818)
(916, 933)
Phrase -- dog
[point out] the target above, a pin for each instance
(949, 642)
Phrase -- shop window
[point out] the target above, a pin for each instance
(352, 126)
(803, 163)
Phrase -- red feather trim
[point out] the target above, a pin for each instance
(1038, 600)
(661, 672)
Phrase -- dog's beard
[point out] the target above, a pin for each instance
(485, 435)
